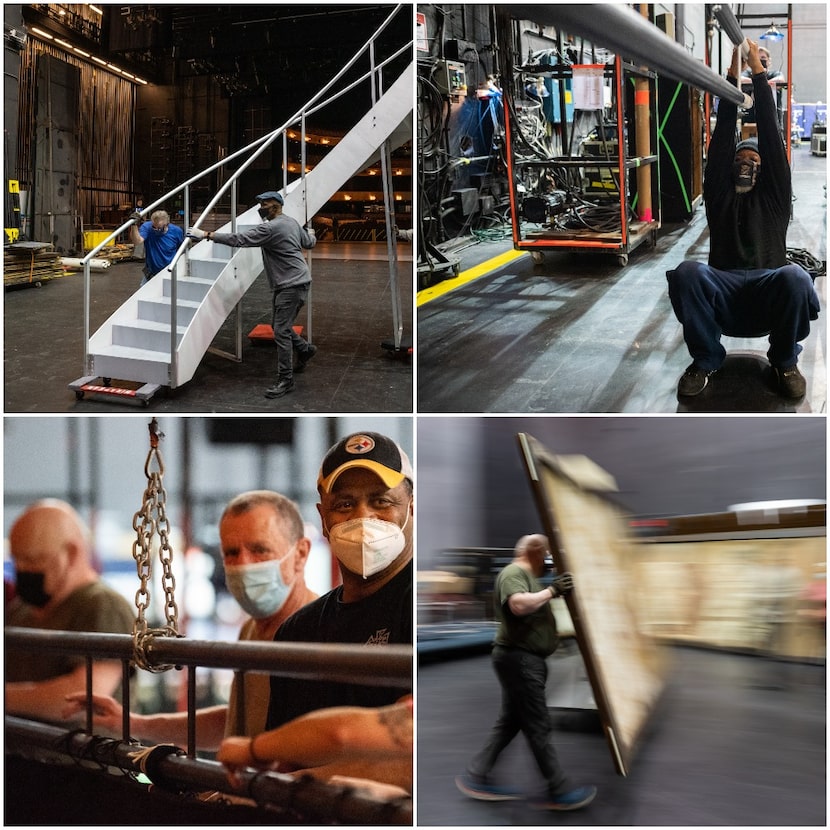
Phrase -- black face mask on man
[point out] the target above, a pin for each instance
(29, 587)
(744, 174)
(267, 213)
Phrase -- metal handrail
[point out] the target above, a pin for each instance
(259, 145)
(342, 662)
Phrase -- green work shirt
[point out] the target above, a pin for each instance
(534, 632)
(95, 607)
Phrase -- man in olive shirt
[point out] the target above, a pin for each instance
(57, 588)
(526, 637)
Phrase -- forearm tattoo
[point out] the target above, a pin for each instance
(397, 720)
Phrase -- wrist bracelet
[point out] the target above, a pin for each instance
(553, 592)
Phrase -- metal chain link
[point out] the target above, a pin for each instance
(149, 520)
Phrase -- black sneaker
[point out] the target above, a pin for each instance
(572, 800)
(304, 357)
(791, 383)
(693, 381)
(283, 387)
(478, 787)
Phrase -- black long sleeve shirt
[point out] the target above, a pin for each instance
(748, 230)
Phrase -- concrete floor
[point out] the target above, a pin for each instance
(736, 740)
(578, 333)
(351, 318)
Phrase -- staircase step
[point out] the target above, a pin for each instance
(208, 269)
(188, 288)
(158, 309)
(127, 363)
(145, 334)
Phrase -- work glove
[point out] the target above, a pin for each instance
(311, 232)
(196, 233)
(137, 218)
(563, 584)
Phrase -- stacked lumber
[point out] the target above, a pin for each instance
(30, 263)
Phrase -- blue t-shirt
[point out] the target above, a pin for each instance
(159, 248)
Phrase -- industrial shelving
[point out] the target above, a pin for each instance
(552, 198)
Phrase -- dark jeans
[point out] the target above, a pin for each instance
(709, 302)
(287, 303)
(523, 709)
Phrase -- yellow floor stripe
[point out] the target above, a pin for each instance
(445, 286)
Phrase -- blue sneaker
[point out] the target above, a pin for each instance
(478, 787)
(571, 800)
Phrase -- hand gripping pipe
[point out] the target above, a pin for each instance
(729, 23)
(621, 29)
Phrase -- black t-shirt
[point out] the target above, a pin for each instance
(384, 618)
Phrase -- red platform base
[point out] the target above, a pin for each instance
(263, 333)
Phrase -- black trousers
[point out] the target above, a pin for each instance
(524, 709)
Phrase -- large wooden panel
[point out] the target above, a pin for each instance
(589, 538)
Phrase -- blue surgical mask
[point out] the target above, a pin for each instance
(258, 587)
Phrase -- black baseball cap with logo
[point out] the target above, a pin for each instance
(369, 450)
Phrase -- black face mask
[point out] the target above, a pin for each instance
(744, 174)
(29, 586)
(267, 213)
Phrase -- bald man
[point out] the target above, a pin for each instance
(57, 588)
(525, 638)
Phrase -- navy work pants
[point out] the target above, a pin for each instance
(710, 302)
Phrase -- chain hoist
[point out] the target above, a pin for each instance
(149, 520)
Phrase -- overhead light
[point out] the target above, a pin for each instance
(96, 9)
(69, 47)
(772, 33)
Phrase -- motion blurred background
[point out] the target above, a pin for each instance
(473, 487)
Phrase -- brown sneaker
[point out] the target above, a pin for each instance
(791, 383)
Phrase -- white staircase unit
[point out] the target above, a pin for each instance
(134, 343)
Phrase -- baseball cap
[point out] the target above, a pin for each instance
(747, 144)
(369, 450)
(271, 194)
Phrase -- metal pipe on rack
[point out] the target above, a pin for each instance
(621, 29)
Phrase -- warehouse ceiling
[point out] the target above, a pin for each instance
(253, 50)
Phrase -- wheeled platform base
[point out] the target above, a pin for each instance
(89, 386)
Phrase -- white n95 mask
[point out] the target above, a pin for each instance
(258, 586)
(367, 546)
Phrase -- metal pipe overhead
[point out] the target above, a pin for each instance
(621, 29)
(729, 23)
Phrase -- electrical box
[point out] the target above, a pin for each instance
(460, 50)
(451, 78)
(466, 200)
